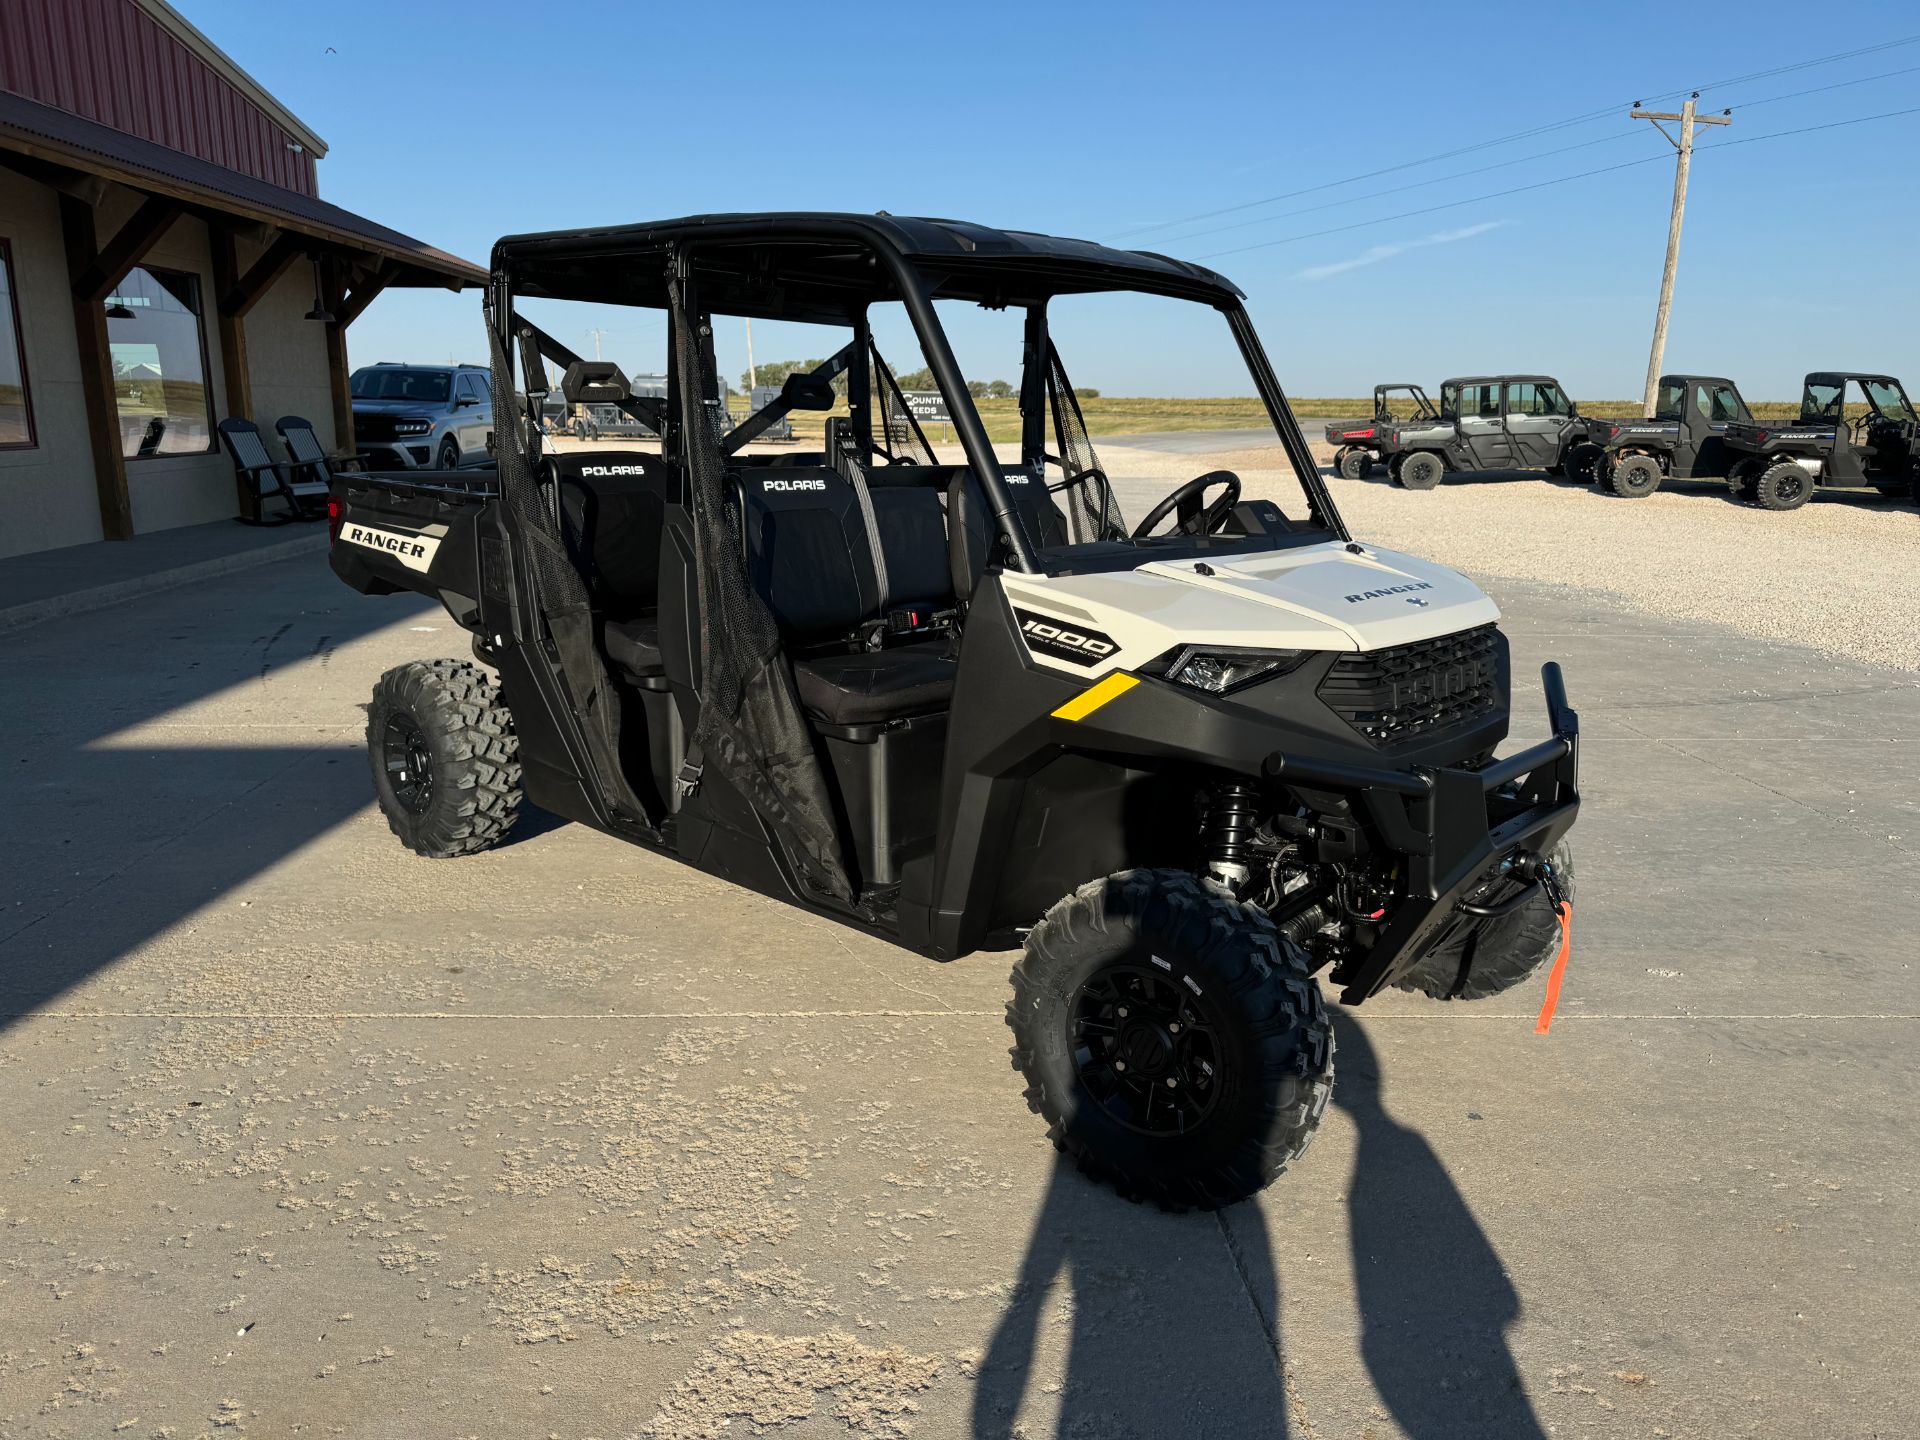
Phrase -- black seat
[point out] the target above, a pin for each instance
(827, 573)
(976, 539)
(612, 508)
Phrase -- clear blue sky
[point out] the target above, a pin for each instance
(458, 123)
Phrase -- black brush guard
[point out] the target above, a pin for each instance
(1455, 826)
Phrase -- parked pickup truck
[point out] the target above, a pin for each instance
(1493, 422)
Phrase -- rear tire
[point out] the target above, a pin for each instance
(1634, 477)
(1354, 464)
(1497, 954)
(446, 761)
(1174, 1041)
(1393, 470)
(1422, 470)
(1782, 487)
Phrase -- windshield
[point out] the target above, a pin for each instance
(1888, 398)
(397, 382)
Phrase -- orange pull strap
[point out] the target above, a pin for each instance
(1559, 971)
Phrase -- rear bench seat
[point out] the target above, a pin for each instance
(824, 573)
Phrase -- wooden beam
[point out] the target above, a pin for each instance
(259, 279)
(96, 374)
(233, 328)
(127, 248)
(365, 293)
(77, 183)
(337, 371)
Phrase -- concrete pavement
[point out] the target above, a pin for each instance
(309, 1135)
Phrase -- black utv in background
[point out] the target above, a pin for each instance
(1493, 422)
(1685, 440)
(1854, 430)
(1361, 442)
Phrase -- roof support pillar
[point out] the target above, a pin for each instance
(344, 442)
(96, 371)
(233, 327)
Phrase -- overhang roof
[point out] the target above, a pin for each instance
(60, 138)
(824, 266)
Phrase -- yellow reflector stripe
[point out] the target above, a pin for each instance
(1094, 696)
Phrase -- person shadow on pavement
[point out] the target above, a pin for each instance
(1435, 1301)
(1168, 1332)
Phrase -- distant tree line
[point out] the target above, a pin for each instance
(775, 372)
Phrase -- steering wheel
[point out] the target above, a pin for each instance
(1194, 520)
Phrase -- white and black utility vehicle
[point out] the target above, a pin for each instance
(1362, 443)
(1684, 439)
(1492, 422)
(1855, 431)
(955, 700)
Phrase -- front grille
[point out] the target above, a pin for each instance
(1407, 692)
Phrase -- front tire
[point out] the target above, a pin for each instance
(1174, 1041)
(1634, 477)
(446, 760)
(1782, 487)
(1422, 470)
(1586, 464)
(1496, 955)
(449, 458)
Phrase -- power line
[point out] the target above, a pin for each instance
(1557, 180)
(1544, 129)
(1822, 89)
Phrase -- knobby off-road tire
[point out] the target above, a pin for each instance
(1422, 470)
(1782, 487)
(1586, 464)
(446, 761)
(1354, 464)
(1149, 977)
(1497, 954)
(1634, 477)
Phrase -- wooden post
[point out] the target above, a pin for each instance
(337, 371)
(96, 372)
(233, 326)
(1657, 360)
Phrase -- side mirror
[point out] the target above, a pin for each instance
(806, 392)
(464, 401)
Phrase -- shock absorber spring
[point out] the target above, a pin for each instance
(1226, 834)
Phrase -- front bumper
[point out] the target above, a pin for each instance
(1454, 826)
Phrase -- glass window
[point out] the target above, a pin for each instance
(159, 364)
(1720, 402)
(471, 389)
(1480, 402)
(398, 382)
(1535, 397)
(1822, 400)
(16, 416)
(1673, 398)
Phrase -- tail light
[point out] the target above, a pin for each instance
(336, 512)
(1759, 437)
(1366, 434)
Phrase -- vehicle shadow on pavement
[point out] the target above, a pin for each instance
(1435, 1299)
(1169, 1331)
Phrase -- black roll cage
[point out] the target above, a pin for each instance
(918, 257)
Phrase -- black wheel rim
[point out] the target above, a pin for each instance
(1146, 1051)
(408, 762)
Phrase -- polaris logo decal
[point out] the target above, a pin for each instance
(1061, 640)
(1356, 598)
(415, 552)
(613, 469)
(793, 484)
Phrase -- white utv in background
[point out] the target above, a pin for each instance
(957, 702)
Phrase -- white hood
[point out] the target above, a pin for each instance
(1319, 597)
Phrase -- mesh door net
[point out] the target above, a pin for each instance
(559, 595)
(750, 731)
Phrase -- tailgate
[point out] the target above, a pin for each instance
(394, 533)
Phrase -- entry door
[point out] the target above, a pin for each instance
(1482, 435)
(1537, 420)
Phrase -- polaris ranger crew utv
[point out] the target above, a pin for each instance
(1361, 445)
(1685, 440)
(956, 701)
(1498, 422)
(1854, 431)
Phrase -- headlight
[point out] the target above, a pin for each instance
(1219, 671)
(412, 427)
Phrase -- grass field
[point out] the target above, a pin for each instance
(1137, 415)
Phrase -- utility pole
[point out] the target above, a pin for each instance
(1684, 145)
(753, 376)
(596, 341)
